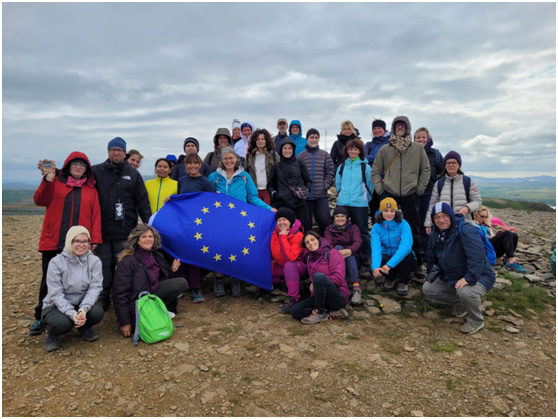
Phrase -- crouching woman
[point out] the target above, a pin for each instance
(458, 269)
(141, 267)
(329, 290)
(74, 280)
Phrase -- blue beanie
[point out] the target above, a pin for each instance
(445, 208)
(171, 157)
(117, 142)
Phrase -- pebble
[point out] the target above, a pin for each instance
(512, 330)
(417, 413)
(409, 348)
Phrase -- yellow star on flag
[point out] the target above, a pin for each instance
(217, 204)
(205, 249)
(217, 257)
(245, 251)
(251, 225)
(231, 205)
(252, 239)
(198, 236)
(232, 258)
(243, 213)
(205, 210)
(198, 221)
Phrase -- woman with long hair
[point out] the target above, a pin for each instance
(260, 158)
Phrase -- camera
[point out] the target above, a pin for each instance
(434, 274)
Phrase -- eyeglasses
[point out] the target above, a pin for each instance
(440, 216)
(80, 242)
(340, 216)
(116, 150)
(482, 216)
(451, 163)
(79, 164)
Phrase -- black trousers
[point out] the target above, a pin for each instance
(504, 243)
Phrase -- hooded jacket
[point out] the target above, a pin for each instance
(67, 206)
(334, 269)
(460, 255)
(212, 159)
(349, 236)
(299, 141)
(121, 183)
(240, 186)
(351, 189)
(338, 146)
(241, 146)
(393, 239)
(407, 173)
(73, 281)
(371, 148)
(287, 248)
(158, 189)
(285, 173)
(321, 170)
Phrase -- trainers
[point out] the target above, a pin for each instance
(459, 312)
(389, 285)
(286, 309)
(419, 274)
(37, 328)
(356, 299)
(219, 287)
(51, 343)
(235, 287)
(340, 314)
(172, 315)
(516, 267)
(315, 318)
(402, 289)
(88, 334)
(469, 328)
(198, 297)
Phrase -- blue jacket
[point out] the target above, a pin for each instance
(240, 186)
(371, 148)
(393, 239)
(460, 255)
(299, 140)
(351, 189)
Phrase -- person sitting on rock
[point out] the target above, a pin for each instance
(392, 243)
(345, 237)
(459, 271)
(329, 290)
(74, 280)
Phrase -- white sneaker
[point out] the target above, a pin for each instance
(172, 315)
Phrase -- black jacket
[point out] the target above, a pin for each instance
(124, 184)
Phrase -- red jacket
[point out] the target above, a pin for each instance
(62, 202)
(292, 245)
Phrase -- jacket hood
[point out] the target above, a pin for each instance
(222, 131)
(386, 135)
(251, 126)
(322, 250)
(344, 139)
(223, 172)
(295, 122)
(446, 209)
(88, 171)
(403, 119)
(284, 141)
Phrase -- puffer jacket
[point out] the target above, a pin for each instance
(291, 248)
(239, 186)
(349, 237)
(460, 255)
(158, 189)
(371, 148)
(271, 158)
(408, 173)
(67, 206)
(73, 281)
(320, 167)
(334, 269)
(351, 189)
(299, 141)
(453, 193)
(393, 239)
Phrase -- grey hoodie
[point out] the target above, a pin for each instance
(73, 281)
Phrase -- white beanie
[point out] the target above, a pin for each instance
(72, 234)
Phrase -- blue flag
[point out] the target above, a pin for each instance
(219, 233)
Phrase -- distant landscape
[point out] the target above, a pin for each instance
(532, 189)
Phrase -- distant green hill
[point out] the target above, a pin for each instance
(17, 197)
(518, 205)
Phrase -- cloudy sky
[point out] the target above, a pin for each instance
(480, 76)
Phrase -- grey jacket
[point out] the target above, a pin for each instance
(73, 281)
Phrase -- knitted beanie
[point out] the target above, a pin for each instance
(453, 155)
(72, 233)
(117, 142)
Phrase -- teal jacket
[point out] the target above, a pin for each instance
(240, 186)
(393, 239)
(351, 189)
(299, 140)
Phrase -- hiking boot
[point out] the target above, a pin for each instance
(420, 275)
(37, 328)
(356, 299)
(469, 328)
(315, 318)
(389, 285)
(88, 334)
(51, 343)
(515, 267)
(286, 309)
(340, 314)
(235, 287)
(198, 297)
(402, 289)
(219, 287)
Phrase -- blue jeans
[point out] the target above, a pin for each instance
(326, 297)
(359, 217)
(351, 266)
(319, 208)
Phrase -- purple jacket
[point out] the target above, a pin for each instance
(334, 269)
(349, 237)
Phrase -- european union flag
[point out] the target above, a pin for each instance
(220, 233)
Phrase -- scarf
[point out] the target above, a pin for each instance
(150, 263)
(73, 183)
(401, 144)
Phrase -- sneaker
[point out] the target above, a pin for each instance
(37, 328)
(402, 289)
(235, 287)
(88, 334)
(516, 267)
(340, 314)
(389, 285)
(469, 328)
(286, 309)
(219, 287)
(172, 315)
(198, 297)
(356, 299)
(51, 343)
(315, 318)
(459, 312)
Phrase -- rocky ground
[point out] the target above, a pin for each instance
(240, 357)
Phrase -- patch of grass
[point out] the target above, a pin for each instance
(247, 379)
(308, 352)
(446, 347)
(338, 342)
(216, 373)
(299, 331)
(536, 233)
(353, 337)
(358, 370)
(391, 348)
(456, 384)
(215, 339)
(234, 329)
(251, 348)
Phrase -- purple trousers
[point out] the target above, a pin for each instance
(290, 274)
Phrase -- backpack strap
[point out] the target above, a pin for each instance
(467, 186)
(389, 165)
(363, 168)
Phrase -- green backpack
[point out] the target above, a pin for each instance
(153, 322)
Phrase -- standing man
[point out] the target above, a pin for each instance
(282, 134)
(401, 170)
(191, 145)
(122, 196)
(380, 137)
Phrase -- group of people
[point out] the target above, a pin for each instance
(95, 254)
